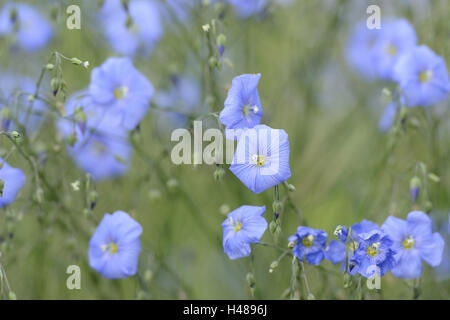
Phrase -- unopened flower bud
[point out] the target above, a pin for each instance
(224, 209)
(12, 296)
(291, 244)
(434, 177)
(55, 84)
(272, 226)
(72, 139)
(414, 188)
(16, 135)
(277, 206)
(273, 266)
(212, 62)
(76, 61)
(221, 39)
(347, 280)
(291, 187)
(250, 279)
(39, 195)
(50, 66)
(92, 199)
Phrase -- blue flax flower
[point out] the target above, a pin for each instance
(115, 246)
(11, 181)
(414, 241)
(243, 226)
(359, 51)
(422, 76)
(336, 249)
(137, 33)
(395, 39)
(104, 152)
(10, 85)
(242, 106)
(309, 243)
(30, 29)
(261, 160)
(373, 255)
(122, 90)
(247, 8)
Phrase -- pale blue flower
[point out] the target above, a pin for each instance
(13, 180)
(243, 226)
(310, 244)
(115, 246)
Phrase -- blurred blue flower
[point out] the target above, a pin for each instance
(261, 160)
(12, 180)
(422, 76)
(373, 255)
(122, 90)
(309, 243)
(443, 269)
(396, 38)
(115, 246)
(242, 105)
(243, 226)
(360, 50)
(336, 250)
(181, 99)
(22, 21)
(144, 27)
(414, 241)
(247, 8)
(10, 85)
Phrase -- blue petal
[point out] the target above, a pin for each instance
(335, 252)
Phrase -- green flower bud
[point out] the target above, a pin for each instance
(39, 195)
(273, 266)
(310, 297)
(277, 206)
(72, 139)
(224, 209)
(250, 279)
(291, 187)
(272, 226)
(347, 281)
(16, 135)
(434, 177)
(5, 114)
(76, 61)
(92, 199)
(154, 194)
(172, 183)
(55, 84)
(221, 39)
(50, 66)
(12, 296)
(148, 275)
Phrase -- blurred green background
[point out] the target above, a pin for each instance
(342, 167)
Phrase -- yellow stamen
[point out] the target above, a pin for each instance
(425, 76)
(259, 160)
(236, 225)
(308, 240)
(247, 109)
(373, 249)
(120, 92)
(111, 248)
(391, 50)
(353, 246)
(408, 243)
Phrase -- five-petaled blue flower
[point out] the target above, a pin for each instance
(243, 226)
(11, 181)
(309, 243)
(242, 106)
(31, 30)
(374, 255)
(122, 90)
(423, 77)
(336, 250)
(395, 39)
(115, 246)
(414, 241)
(137, 33)
(261, 160)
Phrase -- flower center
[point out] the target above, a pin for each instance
(120, 92)
(391, 50)
(308, 240)
(408, 243)
(110, 248)
(236, 225)
(425, 76)
(248, 109)
(373, 249)
(259, 160)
